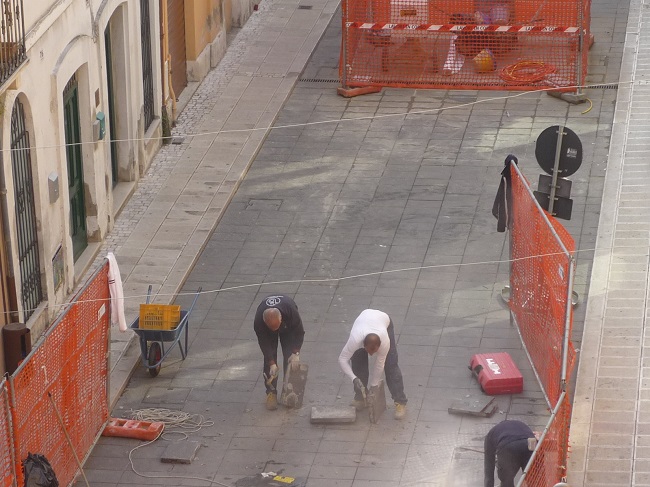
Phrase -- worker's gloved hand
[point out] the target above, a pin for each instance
(294, 358)
(359, 388)
(273, 372)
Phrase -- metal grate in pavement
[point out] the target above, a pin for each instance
(318, 80)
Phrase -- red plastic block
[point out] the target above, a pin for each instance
(130, 428)
(497, 373)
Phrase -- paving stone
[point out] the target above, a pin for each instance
(376, 402)
(333, 414)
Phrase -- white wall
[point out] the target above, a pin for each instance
(65, 37)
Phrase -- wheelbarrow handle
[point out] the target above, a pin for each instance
(196, 297)
(149, 293)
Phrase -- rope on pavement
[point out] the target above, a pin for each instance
(176, 422)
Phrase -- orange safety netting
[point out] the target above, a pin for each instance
(539, 285)
(71, 364)
(465, 44)
(6, 455)
(550, 463)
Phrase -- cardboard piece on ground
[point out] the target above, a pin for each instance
(180, 452)
(482, 406)
(376, 402)
(333, 414)
(293, 386)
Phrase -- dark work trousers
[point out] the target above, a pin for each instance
(286, 343)
(511, 458)
(394, 381)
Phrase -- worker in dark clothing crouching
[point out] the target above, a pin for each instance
(512, 443)
(277, 316)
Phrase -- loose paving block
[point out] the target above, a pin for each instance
(333, 414)
(376, 402)
(293, 387)
(482, 406)
(180, 452)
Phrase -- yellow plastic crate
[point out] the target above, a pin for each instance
(159, 316)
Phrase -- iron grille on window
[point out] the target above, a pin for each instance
(12, 38)
(27, 236)
(147, 69)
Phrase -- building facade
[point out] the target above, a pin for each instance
(80, 123)
(88, 89)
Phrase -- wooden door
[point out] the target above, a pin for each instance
(176, 16)
(75, 168)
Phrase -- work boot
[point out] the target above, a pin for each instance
(358, 404)
(400, 410)
(271, 401)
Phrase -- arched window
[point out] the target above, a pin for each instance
(27, 236)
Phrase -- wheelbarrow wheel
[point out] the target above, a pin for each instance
(153, 357)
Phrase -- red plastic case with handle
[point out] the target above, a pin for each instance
(497, 373)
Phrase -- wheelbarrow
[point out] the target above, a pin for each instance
(165, 330)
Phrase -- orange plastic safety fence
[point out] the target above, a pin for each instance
(70, 364)
(6, 456)
(465, 44)
(539, 285)
(550, 462)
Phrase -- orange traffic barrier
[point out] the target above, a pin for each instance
(130, 428)
(463, 44)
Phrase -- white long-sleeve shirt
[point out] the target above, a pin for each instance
(369, 321)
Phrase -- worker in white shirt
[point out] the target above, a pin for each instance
(372, 333)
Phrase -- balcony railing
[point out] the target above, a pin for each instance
(12, 38)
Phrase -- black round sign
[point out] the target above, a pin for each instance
(570, 152)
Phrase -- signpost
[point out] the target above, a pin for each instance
(559, 153)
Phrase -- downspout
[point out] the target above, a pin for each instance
(167, 56)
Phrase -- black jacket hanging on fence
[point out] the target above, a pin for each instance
(502, 207)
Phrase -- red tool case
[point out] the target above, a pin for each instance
(497, 373)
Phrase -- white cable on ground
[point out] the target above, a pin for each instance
(178, 422)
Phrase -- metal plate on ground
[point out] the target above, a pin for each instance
(293, 387)
(180, 452)
(376, 402)
(482, 406)
(333, 414)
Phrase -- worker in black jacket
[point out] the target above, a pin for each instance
(277, 316)
(509, 442)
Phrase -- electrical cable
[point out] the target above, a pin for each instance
(526, 72)
(339, 120)
(334, 279)
(184, 423)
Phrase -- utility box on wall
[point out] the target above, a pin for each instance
(99, 127)
(17, 343)
(53, 187)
